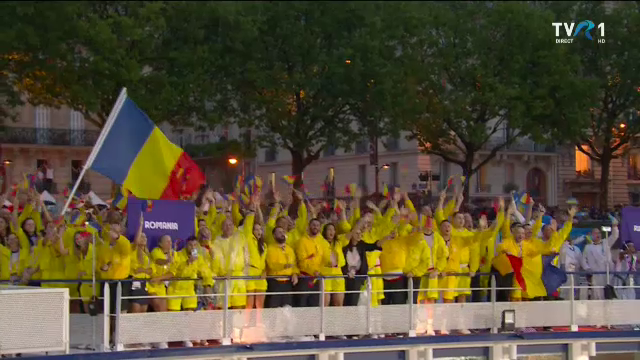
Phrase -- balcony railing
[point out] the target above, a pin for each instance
(46, 136)
(523, 145)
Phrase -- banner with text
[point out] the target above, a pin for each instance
(630, 225)
(161, 217)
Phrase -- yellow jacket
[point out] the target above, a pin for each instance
(313, 253)
(182, 268)
(281, 260)
(336, 256)
(8, 268)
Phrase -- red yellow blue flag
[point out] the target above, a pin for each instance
(133, 152)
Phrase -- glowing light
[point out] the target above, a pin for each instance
(622, 126)
(233, 161)
(347, 61)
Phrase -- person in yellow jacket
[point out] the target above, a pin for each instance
(376, 226)
(437, 261)
(282, 270)
(79, 265)
(295, 230)
(461, 261)
(393, 260)
(257, 255)
(141, 271)
(334, 287)
(186, 264)
(114, 262)
(48, 259)
(161, 257)
(312, 253)
(487, 248)
(230, 259)
(14, 259)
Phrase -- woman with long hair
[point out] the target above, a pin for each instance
(334, 286)
(140, 271)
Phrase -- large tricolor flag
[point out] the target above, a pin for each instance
(134, 153)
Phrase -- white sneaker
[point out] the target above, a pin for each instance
(444, 332)
(162, 345)
(464, 332)
(187, 343)
(342, 337)
(374, 336)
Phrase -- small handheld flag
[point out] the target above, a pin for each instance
(450, 181)
(385, 191)
(572, 201)
(289, 179)
(526, 199)
(147, 206)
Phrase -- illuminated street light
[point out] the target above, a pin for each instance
(233, 161)
(386, 166)
(347, 61)
(622, 126)
(7, 162)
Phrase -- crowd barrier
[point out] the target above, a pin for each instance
(33, 320)
(317, 323)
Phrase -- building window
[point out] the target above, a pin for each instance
(481, 180)
(43, 121)
(271, 155)
(362, 176)
(583, 164)
(634, 167)
(329, 150)
(393, 143)
(362, 146)
(393, 174)
(76, 126)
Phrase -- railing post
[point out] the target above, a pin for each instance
(494, 306)
(369, 300)
(106, 318)
(117, 345)
(412, 328)
(572, 297)
(226, 339)
(321, 336)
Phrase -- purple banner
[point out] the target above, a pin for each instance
(630, 225)
(161, 217)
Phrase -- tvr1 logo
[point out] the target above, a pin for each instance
(584, 26)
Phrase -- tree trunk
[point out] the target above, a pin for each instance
(297, 167)
(467, 171)
(605, 166)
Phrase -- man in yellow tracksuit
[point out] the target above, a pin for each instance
(282, 271)
(313, 253)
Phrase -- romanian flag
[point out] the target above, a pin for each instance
(289, 179)
(238, 183)
(526, 199)
(134, 153)
(552, 276)
(147, 206)
(450, 181)
(385, 191)
(351, 189)
(507, 264)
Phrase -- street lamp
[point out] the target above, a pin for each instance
(7, 162)
(233, 160)
(386, 166)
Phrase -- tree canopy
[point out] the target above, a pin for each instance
(612, 69)
(477, 86)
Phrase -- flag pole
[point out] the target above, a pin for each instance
(96, 148)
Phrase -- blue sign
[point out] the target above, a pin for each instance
(161, 217)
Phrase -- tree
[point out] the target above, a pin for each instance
(613, 69)
(80, 54)
(483, 75)
(373, 82)
(286, 68)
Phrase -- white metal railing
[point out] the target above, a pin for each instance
(29, 311)
(229, 325)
